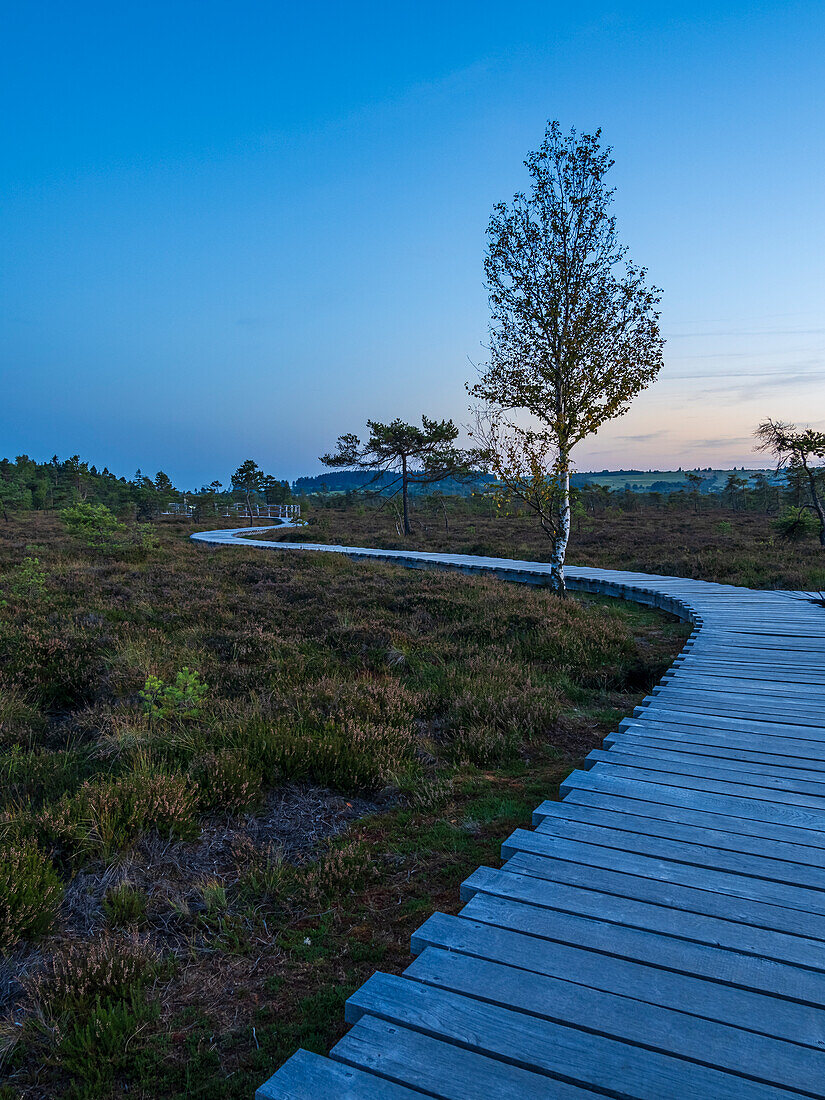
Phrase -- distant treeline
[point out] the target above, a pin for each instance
(27, 485)
(350, 481)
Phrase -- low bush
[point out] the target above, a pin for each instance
(226, 779)
(346, 755)
(93, 524)
(83, 973)
(30, 893)
(181, 699)
(27, 581)
(108, 814)
(97, 1049)
(125, 906)
(796, 524)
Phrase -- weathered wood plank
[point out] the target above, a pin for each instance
(581, 1057)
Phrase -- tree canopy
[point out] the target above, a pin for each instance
(414, 455)
(574, 331)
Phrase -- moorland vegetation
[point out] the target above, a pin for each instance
(234, 782)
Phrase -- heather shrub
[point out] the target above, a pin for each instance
(99, 1047)
(346, 755)
(81, 973)
(30, 893)
(342, 868)
(481, 745)
(20, 722)
(110, 813)
(32, 777)
(28, 579)
(226, 780)
(59, 661)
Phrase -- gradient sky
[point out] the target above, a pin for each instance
(234, 229)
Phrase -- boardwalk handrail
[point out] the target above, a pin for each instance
(660, 932)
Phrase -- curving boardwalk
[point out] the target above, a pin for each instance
(660, 932)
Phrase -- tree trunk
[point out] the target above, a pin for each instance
(817, 505)
(249, 506)
(405, 496)
(563, 531)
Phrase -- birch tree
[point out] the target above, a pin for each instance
(574, 331)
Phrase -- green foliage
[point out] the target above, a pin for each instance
(81, 974)
(176, 701)
(99, 1047)
(30, 893)
(125, 905)
(93, 524)
(226, 780)
(28, 580)
(796, 524)
(724, 527)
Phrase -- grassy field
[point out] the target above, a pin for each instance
(234, 782)
(718, 545)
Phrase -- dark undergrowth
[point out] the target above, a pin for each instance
(234, 782)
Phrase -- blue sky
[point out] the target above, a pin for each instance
(242, 229)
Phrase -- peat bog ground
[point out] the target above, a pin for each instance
(715, 544)
(234, 782)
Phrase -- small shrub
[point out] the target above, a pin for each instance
(268, 878)
(20, 722)
(796, 524)
(179, 700)
(30, 894)
(226, 780)
(83, 973)
(108, 814)
(724, 527)
(343, 868)
(27, 580)
(94, 524)
(125, 905)
(97, 1048)
(347, 755)
(58, 660)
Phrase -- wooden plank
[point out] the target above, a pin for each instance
(641, 738)
(673, 762)
(309, 1077)
(794, 802)
(579, 1057)
(701, 850)
(691, 827)
(667, 884)
(667, 915)
(741, 1049)
(514, 935)
(750, 815)
(683, 872)
(440, 1068)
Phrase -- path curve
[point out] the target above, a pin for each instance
(660, 932)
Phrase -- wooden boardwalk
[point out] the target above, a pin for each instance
(660, 932)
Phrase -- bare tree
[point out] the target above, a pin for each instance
(800, 451)
(574, 333)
